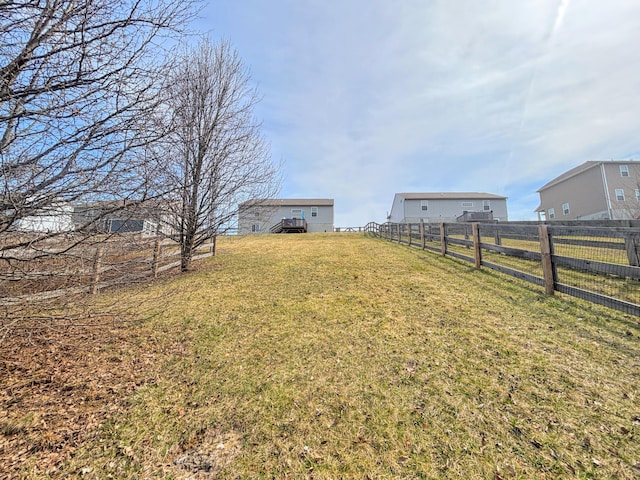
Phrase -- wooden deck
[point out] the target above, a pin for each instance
(290, 225)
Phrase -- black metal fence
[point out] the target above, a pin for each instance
(598, 264)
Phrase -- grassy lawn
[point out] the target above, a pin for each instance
(340, 356)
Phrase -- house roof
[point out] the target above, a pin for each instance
(582, 168)
(449, 196)
(288, 202)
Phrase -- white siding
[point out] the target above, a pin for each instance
(58, 218)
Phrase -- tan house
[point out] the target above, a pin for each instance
(261, 216)
(595, 190)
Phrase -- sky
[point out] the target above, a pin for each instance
(362, 99)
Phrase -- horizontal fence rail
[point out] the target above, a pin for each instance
(349, 229)
(598, 264)
(59, 270)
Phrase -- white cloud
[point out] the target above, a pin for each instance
(366, 98)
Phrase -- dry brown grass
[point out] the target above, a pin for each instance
(340, 356)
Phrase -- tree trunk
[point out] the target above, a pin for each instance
(186, 254)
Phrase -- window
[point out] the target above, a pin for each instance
(620, 194)
(552, 213)
(296, 212)
(467, 204)
(314, 211)
(565, 208)
(638, 194)
(255, 228)
(424, 204)
(486, 205)
(624, 170)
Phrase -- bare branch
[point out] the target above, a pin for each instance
(78, 83)
(217, 156)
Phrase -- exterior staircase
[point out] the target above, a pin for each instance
(290, 225)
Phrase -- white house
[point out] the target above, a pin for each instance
(55, 218)
(258, 216)
(439, 207)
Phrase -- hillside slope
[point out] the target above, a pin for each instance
(342, 356)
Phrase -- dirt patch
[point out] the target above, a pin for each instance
(208, 453)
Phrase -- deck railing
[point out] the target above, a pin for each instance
(290, 225)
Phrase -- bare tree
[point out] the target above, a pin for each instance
(215, 155)
(78, 81)
(631, 198)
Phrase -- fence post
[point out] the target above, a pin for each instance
(422, 237)
(632, 246)
(546, 250)
(156, 258)
(443, 238)
(476, 245)
(97, 259)
(410, 228)
(400, 232)
(498, 240)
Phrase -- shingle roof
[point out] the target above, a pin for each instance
(286, 202)
(449, 195)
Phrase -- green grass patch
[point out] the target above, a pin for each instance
(342, 356)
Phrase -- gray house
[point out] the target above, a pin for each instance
(447, 207)
(148, 217)
(595, 190)
(259, 216)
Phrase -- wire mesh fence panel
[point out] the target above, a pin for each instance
(603, 261)
(598, 264)
(513, 247)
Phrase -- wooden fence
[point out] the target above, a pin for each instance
(349, 229)
(598, 264)
(62, 270)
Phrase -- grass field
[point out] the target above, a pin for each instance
(337, 356)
